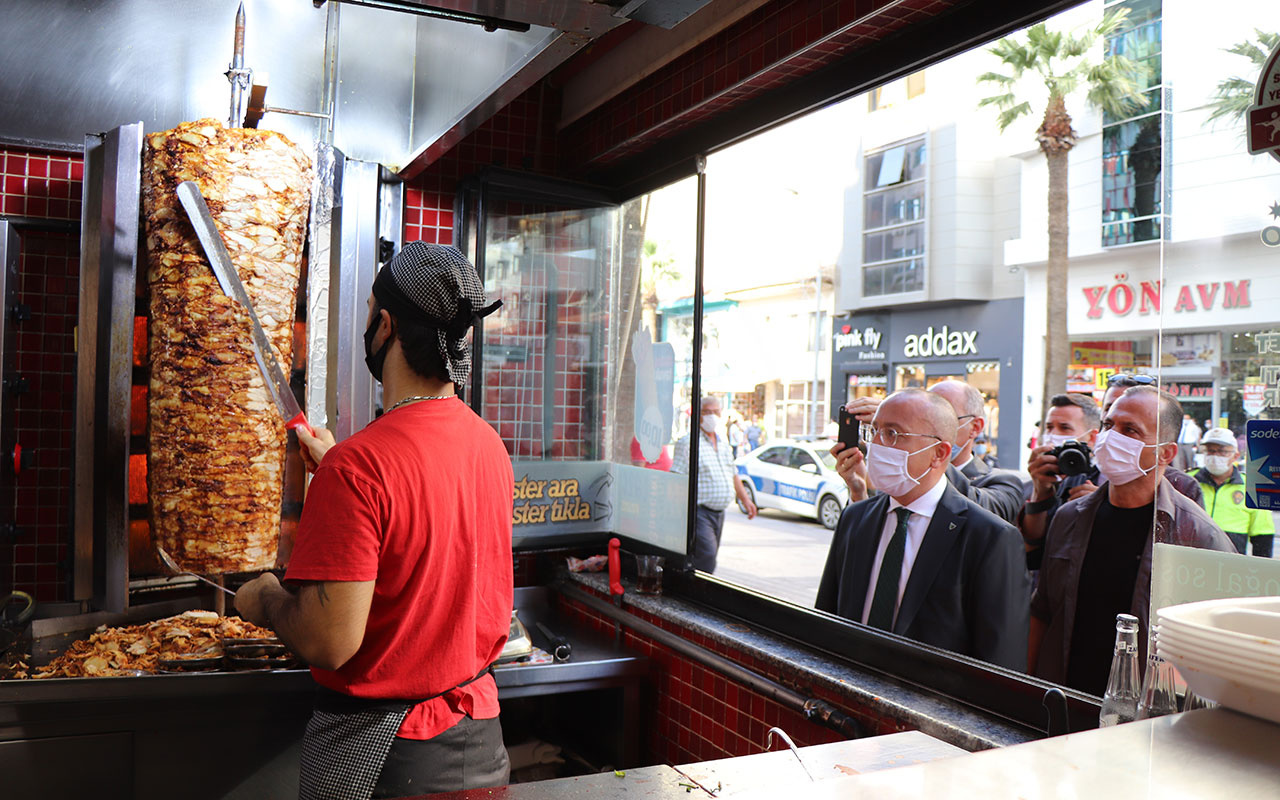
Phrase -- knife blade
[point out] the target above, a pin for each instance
(220, 260)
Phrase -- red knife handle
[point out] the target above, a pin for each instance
(615, 567)
(300, 421)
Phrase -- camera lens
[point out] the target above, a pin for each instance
(1072, 462)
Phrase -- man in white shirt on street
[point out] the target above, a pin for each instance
(718, 485)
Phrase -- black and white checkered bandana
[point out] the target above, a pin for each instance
(435, 284)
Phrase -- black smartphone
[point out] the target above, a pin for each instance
(848, 428)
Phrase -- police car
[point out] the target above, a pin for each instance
(799, 477)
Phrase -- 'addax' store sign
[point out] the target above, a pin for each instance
(940, 342)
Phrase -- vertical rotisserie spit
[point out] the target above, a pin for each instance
(217, 443)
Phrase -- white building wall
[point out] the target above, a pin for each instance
(1218, 188)
(1219, 198)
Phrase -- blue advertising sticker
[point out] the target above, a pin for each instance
(1262, 463)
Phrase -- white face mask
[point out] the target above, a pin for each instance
(887, 467)
(1119, 458)
(1217, 465)
(709, 422)
(1057, 439)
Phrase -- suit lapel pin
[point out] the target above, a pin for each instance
(951, 527)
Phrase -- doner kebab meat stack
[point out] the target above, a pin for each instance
(217, 442)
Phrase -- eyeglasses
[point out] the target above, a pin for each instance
(889, 436)
(964, 417)
(1121, 379)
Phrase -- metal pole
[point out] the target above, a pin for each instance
(695, 422)
(328, 101)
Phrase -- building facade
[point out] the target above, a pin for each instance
(1170, 272)
(980, 343)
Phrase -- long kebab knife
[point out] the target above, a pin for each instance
(220, 260)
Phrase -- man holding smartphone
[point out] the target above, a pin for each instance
(997, 491)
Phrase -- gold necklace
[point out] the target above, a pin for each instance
(417, 397)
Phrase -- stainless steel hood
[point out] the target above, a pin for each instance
(403, 82)
(586, 17)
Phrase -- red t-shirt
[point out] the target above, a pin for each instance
(420, 503)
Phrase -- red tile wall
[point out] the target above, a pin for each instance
(515, 390)
(45, 185)
(39, 184)
(521, 136)
(700, 715)
(768, 48)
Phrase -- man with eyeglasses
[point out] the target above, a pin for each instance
(1117, 385)
(920, 559)
(1097, 560)
(997, 491)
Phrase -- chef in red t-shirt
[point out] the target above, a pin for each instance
(399, 585)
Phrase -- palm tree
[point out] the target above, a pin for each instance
(1063, 63)
(1234, 95)
(658, 272)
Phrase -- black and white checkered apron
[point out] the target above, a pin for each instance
(347, 741)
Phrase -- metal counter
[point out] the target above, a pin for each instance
(1200, 754)
(233, 734)
(775, 774)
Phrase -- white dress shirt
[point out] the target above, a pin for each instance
(922, 510)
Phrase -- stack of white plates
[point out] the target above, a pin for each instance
(1227, 651)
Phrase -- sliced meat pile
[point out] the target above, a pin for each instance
(139, 648)
(217, 442)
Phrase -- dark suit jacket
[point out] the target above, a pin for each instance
(968, 590)
(996, 490)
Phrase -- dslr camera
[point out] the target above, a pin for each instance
(1073, 457)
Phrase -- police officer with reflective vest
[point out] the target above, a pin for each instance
(1224, 494)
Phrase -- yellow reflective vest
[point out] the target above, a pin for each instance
(1226, 505)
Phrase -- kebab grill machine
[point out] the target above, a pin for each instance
(186, 480)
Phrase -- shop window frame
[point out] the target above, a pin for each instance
(1157, 89)
(900, 274)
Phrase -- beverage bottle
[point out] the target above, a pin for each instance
(1158, 695)
(1120, 702)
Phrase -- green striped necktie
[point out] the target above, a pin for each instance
(885, 600)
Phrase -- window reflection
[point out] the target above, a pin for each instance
(913, 234)
(893, 210)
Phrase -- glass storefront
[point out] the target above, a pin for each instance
(810, 225)
(865, 385)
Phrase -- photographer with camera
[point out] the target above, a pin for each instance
(1061, 467)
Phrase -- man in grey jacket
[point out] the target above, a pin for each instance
(1097, 559)
(997, 491)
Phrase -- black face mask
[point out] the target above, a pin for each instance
(374, 361)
